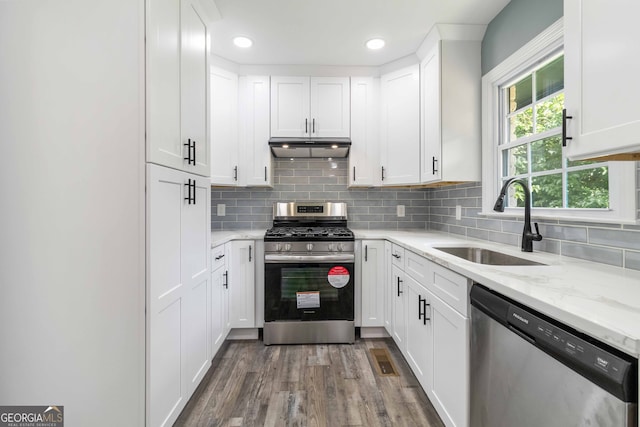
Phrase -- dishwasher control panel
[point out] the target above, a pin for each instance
(574, 348)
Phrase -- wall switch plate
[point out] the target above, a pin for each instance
(458, 212)
(221, 209)
(400, 211)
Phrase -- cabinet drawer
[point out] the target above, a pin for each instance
(417, 267)
(450, 287)
(397, 254)
(217, 257)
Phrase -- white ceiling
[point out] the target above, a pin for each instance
(333, 32)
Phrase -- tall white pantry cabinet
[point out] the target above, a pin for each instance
(178, 334)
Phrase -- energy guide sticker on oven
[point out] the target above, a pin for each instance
(308, 299)
(338, 277)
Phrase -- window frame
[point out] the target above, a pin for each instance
(622, 197)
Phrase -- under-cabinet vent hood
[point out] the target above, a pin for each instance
(310, 147)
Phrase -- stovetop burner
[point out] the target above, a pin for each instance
(308, 233)
(309, 221)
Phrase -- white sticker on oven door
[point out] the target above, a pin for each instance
(309, 299)
(338, 277)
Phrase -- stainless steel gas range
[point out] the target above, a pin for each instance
(309, 275)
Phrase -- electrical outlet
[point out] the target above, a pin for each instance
(400, 211)
(458, 212)
(221, 209)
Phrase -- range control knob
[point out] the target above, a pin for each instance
(287, 247)
(330, 247)
(309, 246)
(279, 247)
(340, 247)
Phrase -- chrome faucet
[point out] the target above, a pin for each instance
(527, 235)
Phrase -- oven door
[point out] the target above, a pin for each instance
(309, 289)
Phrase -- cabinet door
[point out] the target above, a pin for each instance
(196, 261)
(330, 106)
(164, 145)
(430, 115)
(372, 283)
(400, 127)
(364, 153)
(290, 107)
(242, 284)
(224, 127)
(166, 294)
(193, 85)
(399, 309)
(219, 309)
(449, 390)
(600, 80)
(419, 334)
(388, 289)
(256, 159)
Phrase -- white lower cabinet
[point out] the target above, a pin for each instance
(419, 332)
(372, 271)
(241, 283)
(398, 310)
(425, 312)
(219, 297)
(448, 388)
(388, 289)
(178, 286)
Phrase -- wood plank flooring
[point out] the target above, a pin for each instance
(329, 385)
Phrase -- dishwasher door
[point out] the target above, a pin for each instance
(516, 384)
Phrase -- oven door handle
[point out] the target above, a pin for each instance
(274, 258)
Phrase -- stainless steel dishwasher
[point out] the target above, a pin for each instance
(528, 370)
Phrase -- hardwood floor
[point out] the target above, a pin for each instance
(307, 385)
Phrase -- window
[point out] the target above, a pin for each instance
(523, 99)
(531, 144)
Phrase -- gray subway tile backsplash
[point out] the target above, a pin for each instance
(432, 209)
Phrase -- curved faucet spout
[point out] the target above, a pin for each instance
(527, 235)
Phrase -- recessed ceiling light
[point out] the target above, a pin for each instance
(241, 41)
(374, 44)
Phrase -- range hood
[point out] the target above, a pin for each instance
(310, 147)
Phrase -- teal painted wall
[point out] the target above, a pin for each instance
(514, 26)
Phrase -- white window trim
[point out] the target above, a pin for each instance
(622, 196)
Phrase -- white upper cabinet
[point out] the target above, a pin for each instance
(306, 107)
(256, 160)
(365, 150)
(224, 127)
(400, 127)
(450, 94)
(177, 79)
(330, 106)
(602, 65)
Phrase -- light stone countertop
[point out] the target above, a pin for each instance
(600, 300)
(222, 237)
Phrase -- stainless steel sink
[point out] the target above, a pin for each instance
(486, 256)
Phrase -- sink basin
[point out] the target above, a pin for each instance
(486, 256)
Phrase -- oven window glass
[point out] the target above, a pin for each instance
(309, 291)
(305, 279)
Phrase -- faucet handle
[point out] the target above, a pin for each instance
(537, 237)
